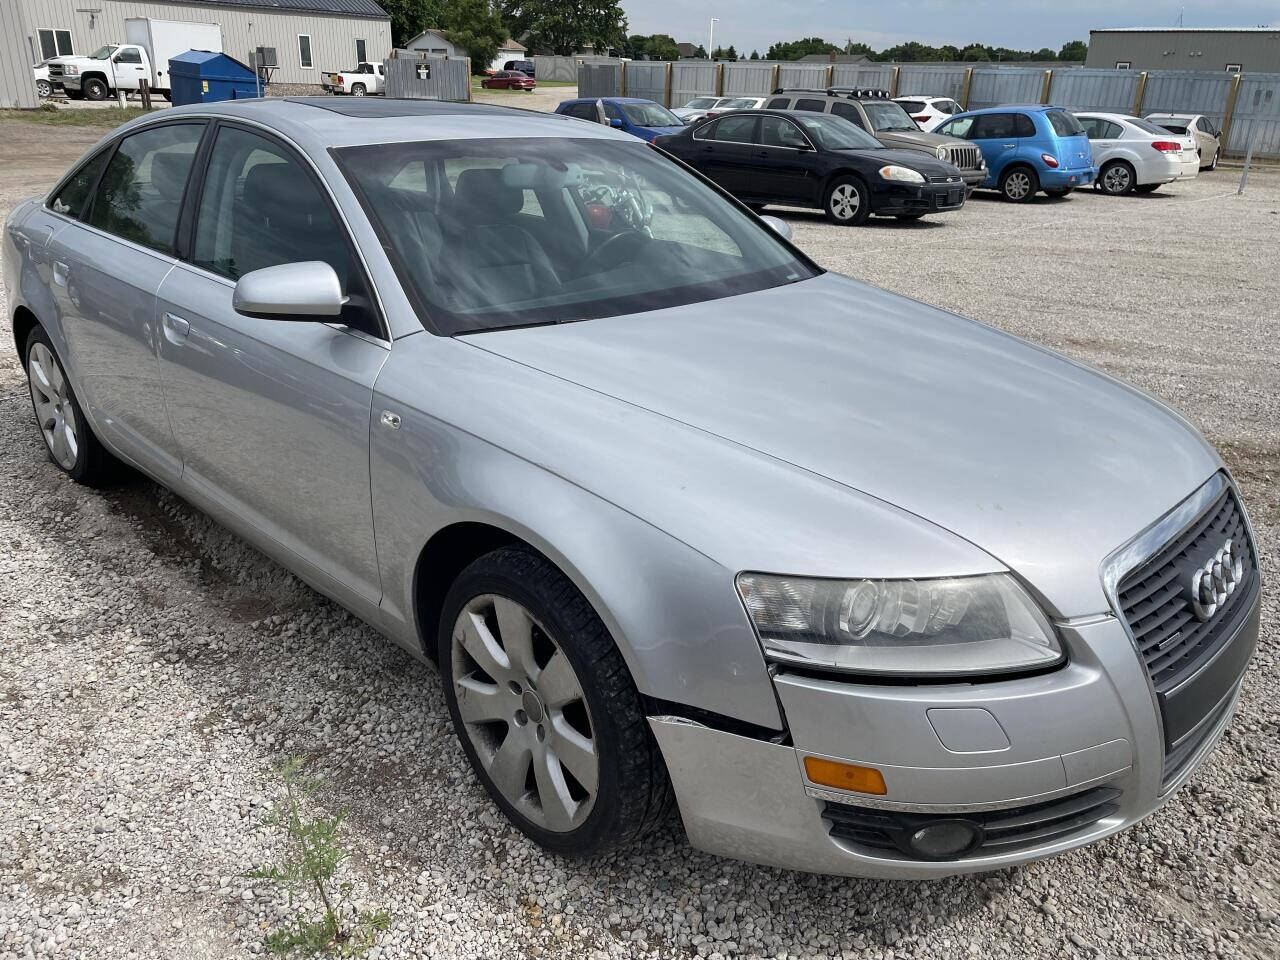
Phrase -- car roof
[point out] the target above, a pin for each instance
(1006, 107)
(1105, 116)
(1175, 116)
(611, 100)
(318, 123)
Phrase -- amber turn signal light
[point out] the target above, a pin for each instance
(844, 776)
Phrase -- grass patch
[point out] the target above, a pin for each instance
(106, 117)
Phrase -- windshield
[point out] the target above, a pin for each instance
(886, 115)
(701, 103)
(103, 53)
(742, 103)
(650, 115)
(487, 234)
(836, 133)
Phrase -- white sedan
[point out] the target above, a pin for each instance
(1136, 156)
(699, 108)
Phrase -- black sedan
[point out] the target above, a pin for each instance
(801, 159)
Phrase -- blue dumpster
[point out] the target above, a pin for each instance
(199, 76)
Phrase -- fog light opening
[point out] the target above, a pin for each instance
(944, 839)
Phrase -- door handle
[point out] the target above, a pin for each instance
(60, 273)
(1008, 146)
(175, 328)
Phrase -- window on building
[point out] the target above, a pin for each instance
(1124, 64)
(54, 43)
(360, 51)
(304, 50)
(1233, 68)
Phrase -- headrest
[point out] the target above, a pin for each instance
(169, 174)
(483, 195)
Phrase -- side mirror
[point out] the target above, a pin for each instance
(615, 122)
(780, 227)
(290, 291)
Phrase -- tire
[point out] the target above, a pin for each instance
(1213, 164)
(1147, 187)
(848, 202)
(522, 745)
(44, 89)
(357, 90)
(95, 89)
(76, 452)
(1019, 184)
(1117, 178)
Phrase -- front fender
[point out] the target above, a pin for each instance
(673, 611)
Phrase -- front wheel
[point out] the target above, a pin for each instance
(848, 202)
(95, 89)
(1019, 184)
(68, 439)
(545, 707)
(44, 89)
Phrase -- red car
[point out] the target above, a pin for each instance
(508, 80)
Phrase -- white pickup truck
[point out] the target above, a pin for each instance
(144, 56)
(366, 79)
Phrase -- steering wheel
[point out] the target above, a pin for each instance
(622, 246)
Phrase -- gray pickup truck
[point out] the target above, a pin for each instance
(884, 119)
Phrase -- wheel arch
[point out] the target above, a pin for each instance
(24, 321)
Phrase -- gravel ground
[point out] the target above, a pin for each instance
(154, 669)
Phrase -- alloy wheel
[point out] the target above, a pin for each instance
(845, 201)
(44, 89)
(1017, 185)
(525, 713)
(55, 410)
(1116, 179)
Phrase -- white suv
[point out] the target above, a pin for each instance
(928, 112)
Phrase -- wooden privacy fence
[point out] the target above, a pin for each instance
(427, 78)
(1246, 107)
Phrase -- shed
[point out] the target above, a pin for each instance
(200, 76)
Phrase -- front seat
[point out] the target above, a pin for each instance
(498, 261)
(280, 212)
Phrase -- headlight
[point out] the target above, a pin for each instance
(71, 71)
(954, 626)
(894, 172)
(942, 152)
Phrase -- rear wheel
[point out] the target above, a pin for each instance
(68, 439)
(1117, 178)
(545, 708)
(95, 89)
(1019, 184)
(1213, 164)
(357, 90)
(848, 202)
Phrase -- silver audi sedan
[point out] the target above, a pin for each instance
(863, 586)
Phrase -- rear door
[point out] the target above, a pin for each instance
(787, 167)
(726, 151)
(996, 135)
(272, 416)
(105, 272)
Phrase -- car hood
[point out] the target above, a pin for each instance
(912, 140)
(1045, 464)
(664, 131)
(914, 159)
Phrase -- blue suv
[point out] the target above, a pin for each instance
(640, 118)
(1027, 149)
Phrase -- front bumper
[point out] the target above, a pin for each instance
(898, 198)
(1010, 744)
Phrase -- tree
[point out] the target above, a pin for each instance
(796, 49)
(975, 53)
(409, 18)
(1074, 50)
(755, 54)
(724, 53)
(659, 46)
(566, 26)
(476, 28)
(701, 52)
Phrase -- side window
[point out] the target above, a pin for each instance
(581, 111)
(779, 103)
(780, 132)
(304, 51)
(610, 109)
(1023, 126)
(360, 51)
(1089, 126)
(735, 129)
(962, 128)
(261, 207)
(140, 195)
(1113, 132)
(849, 112)
(809, 103)
(75, 192)
(130, 55)
(994, 126)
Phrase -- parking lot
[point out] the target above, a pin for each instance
(155, 669)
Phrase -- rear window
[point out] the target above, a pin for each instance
(779, 103)
(1064, 124)
(1174, 127)
(817, 106)
(912, 106)
(1146, 126)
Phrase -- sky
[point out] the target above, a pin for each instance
(1026, 25)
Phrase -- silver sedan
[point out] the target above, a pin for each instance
(1136, 156)
(864, 586)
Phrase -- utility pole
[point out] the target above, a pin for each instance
(711, 39)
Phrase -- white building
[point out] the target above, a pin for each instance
(434, 43)
(309, 36)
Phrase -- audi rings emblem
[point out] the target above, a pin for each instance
(1214, 582)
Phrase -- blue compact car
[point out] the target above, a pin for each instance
(640, 118)
(1027, 149)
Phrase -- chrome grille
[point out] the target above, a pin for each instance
(55, 70)
(998, 831)
(963, 156)
(1156, 601)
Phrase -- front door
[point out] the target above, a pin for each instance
(105, 271)
(272, 416)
